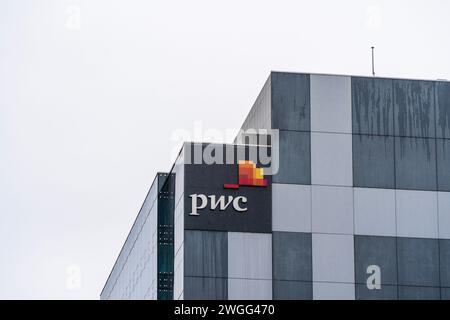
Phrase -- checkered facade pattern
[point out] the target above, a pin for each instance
(364, 181)
(360, 206)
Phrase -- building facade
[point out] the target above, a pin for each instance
(359, 207)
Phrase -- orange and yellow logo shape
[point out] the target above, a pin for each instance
(249, 175)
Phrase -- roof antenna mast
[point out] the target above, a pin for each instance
(373, 61)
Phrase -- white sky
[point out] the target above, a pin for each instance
(88, 109)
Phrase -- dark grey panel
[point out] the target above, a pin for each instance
(205, 253)
(372, 106)
(292, 290)
(418, 262)
(196, 288)
(444, 258)
(415, 163)
(373, 161)
(379, 251)
(414, 108)
(385, 293)
(443, 110)
(445, 293)
(290, 101)
(443, 164)
(292, 256)
(295, 158)
(418, 293)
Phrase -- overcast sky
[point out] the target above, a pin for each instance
(91, 93)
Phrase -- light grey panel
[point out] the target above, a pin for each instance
(333, 291)
(415, 163)
(199, 288)
(295, 158)
(332, 209)
(374, 211)
(134, 275)
(178, 274)
(205, 254)
(418, 262)
(331, 105)
(444, 259)
(385, 293)
(292, 290)
(331, 159)
(259, 116)
(249, 289)
(290, 101)
(178, 170)
(376, 251)
(444, 214)
(443, 110)
(372, 106)
(292, 256)
(443, 164)
(417, 215)
(291, 207)
(373, 161)
(249, 255)
(414, 108)
(333, 258)
(178, 225)
(418, 293)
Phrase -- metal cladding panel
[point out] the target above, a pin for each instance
(209, 180)
(374, 212)
(290, 101)
(443, 164)
(414, 108)
(376, 251)
(331, 103)
(295, 158)
(444, 215)
(292, 256)
(291, 208)
(332, 210)
(331, 159)
(443, 110)
(444, 261)
(333, 258)
(333, 291)
(134, 275)
(178, 283)
(249, 289)
(418, 293)
(372, 106)
(415, 164)
(417, 215)
(249, 256)
(205, 254)
(418, 262)
(292, 290)
(373, 161)
(385, 293)
(201, 288)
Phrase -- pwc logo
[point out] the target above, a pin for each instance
(249, 176)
